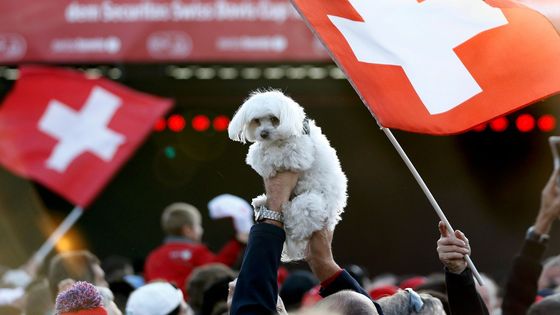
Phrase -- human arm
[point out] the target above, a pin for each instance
(461, 289)
(256, 290)
(322, 264)
(521, 284)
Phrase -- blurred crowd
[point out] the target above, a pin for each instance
(182, 276)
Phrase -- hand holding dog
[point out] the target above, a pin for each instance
(452, 249)
(279, 188)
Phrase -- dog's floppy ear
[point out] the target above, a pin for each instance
(291, 118)
(236, 128)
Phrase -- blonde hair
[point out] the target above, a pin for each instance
(177, 215)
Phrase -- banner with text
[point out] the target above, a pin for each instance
(90, 31)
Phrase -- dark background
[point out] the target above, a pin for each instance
(488, 183)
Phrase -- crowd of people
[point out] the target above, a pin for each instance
(182, 276)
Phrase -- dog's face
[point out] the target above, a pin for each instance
(267, 117)
(264, 129)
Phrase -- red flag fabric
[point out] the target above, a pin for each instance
(71, 133)
(439, 66)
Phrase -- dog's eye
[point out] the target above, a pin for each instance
(274, 121)
(257, 121)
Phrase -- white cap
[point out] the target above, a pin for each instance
(158, 298)
(238, 209)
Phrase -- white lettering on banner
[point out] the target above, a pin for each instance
(420, 37)
(102, 45)
(83, 131)
(275, 44)
(179, 11)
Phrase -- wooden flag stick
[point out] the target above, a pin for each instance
(428, 194)
(46, 248)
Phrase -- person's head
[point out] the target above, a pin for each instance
(214, 300)
(38, 298)
(359, 273)
(347, 303)
(550, 275)
(182, 220)
(434, 282)
(116, 267)
(295, 286)
(156, 298)
(202, 278)
(280, 309)
(407, 302)
(489, 293)
(109, 301)
(442, 297)
(548, 305)
(77, 265)
(81, 296)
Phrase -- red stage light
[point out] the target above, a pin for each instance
(547, 123)
(525, 123)
(159, 125)
(479, 128)
(176, 123)
(200, 123)
(499, 124)
(221, 123)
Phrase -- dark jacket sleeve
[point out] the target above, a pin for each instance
(462, 294)
(344, 281)
(256, 291)
(521, 285)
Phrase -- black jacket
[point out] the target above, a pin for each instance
(462, 295)
(521, 285)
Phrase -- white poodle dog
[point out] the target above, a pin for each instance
(284, 139)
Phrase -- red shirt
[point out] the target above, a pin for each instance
(177, 258)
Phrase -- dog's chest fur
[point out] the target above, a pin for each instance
(294, 153)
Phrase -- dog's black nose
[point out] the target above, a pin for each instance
(264, 134)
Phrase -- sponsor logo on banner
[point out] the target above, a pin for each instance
(277, 43)
(86, 45)
(12, 46)
(169, 44)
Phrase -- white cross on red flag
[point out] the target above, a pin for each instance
(439, 66)
(71, 133)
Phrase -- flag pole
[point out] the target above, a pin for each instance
(46, 248)
(429, 195)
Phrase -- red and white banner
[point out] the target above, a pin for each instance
(439, 66)
(71, 133)
(93, 31)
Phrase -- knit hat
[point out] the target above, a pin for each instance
(81, 298)
(157, 298)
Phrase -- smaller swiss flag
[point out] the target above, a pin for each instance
(71, 133)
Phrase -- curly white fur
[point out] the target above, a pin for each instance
(283, 141)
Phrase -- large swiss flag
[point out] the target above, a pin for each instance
(71, 133)
(439, 66)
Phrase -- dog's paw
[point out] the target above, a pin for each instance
(294, 250)
(258, 201)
